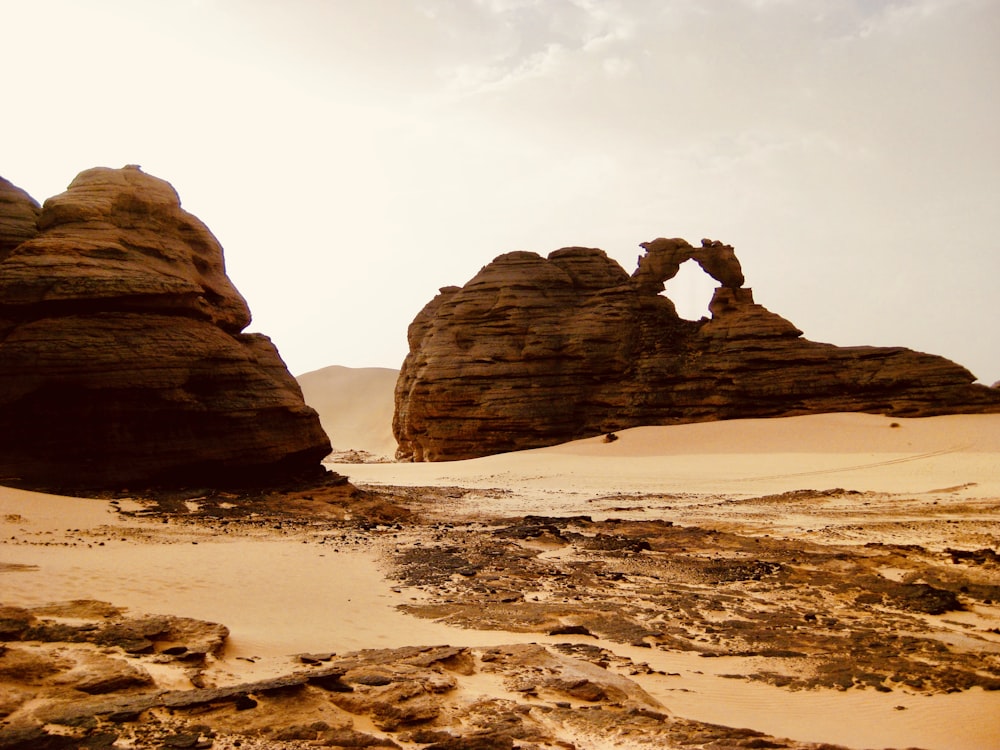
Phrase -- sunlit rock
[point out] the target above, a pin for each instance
(536, 351)
(122, 357)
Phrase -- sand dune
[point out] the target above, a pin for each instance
(819, 433)
(755, 456)
(355, 406)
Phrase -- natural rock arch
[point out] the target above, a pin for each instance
(535, 351)
(664, 257)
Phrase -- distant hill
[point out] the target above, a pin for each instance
(355, 406)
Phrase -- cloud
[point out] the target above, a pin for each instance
(845, 146)
(504, 74)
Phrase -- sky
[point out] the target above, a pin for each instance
(353, 156)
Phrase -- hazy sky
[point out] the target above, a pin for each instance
(352, 156)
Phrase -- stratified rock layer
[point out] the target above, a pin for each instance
(18, 217)
(536, 351)
(121, 353)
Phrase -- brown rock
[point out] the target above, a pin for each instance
(13, 622)
(391, 706)
(545, 670)
(121, 354)
(97, 674)
(536, 351)
(664, 257)
(18, 217)
(103, 625)
(11, 699)
(396, 707)
(30, 667)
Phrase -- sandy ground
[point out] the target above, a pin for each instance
(355, 406)
(573, 547)
(743, 457)
(932, 482)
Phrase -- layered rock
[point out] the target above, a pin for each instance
(536, 351)
(122, 357)
(18, 217)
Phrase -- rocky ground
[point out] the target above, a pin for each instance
(811, 606)
(824, 615)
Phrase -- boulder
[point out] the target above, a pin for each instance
(537, 351)
(122, 357)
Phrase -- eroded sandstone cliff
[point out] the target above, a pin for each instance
(536, 351)
(121, 353)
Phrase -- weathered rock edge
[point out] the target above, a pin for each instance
(537, 351)
(122, 357)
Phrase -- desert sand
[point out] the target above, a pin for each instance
(695, 573)
(355, 406)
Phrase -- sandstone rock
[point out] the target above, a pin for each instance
(18, 217)
(30, 667)
(398, 688)
(97, 674)
(13, 622)
(11, 699)
(183, 638)
(426, 701)
(121, 354)
(536, 351)
(664, 257)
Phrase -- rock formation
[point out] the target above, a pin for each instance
(536, 351)
(121, 354)
(18, 217)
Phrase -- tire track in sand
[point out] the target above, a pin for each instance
(857, 467)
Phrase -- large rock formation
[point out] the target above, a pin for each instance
(535, 351)
(121, 353)
(18, 217)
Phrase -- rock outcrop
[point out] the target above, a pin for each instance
(122, 357)
(18, 217)
(536, 351)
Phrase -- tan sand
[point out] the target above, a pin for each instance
(50, 513)
(704, 469)
(741, 458)
(280, 596)
(355, 406)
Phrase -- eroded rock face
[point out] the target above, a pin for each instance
(18, 217)
(121, 353)
(536, 351)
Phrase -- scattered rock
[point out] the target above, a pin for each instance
(914, 597)
(812, 612)
(571, 630)
(977, 557)
(822, 616)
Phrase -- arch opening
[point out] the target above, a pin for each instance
(691, 291)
